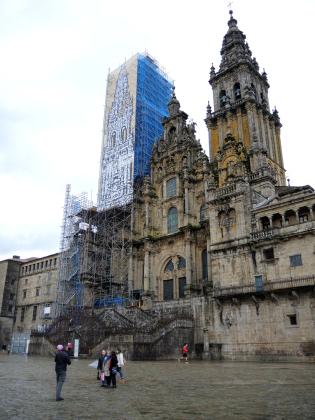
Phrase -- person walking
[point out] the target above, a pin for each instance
(120, 364)
(113, 368)
(185, 352)
(62, 360)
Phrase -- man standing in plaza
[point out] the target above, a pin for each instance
(62, 359)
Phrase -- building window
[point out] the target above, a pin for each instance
(47, 309)
(46, 264)
(11, 296)
(259, 283)
(171, 187)
(24, 293)
(181, 263)
(295, 260)
(181, 287)
(292, 319)
(289, 217)
(42, 264)
(237, 91)
(55, 262)
(48, 290)
(204, 260)
(37, 291)
(25, 281)
(22, 314)
(34, 313)
(168, 293)
(304, 214)
(169, 266)
(10, 308)
(269, 254)
(37, 266)
(172, 220)
(202, 213)
(123, 134)
(265, 223)
(223, 97)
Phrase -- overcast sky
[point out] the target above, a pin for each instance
(55, 56)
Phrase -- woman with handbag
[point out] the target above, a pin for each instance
(113, 368)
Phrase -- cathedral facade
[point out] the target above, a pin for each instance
(225, 236)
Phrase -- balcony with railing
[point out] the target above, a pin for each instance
(265, 287)
(224, 191)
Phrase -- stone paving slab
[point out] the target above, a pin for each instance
(159, 390)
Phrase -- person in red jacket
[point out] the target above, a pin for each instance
(185, 352)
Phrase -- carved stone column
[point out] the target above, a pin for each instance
(205, 343)
(146, 271)
(188, 262)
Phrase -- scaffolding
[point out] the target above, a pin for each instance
(96, 243)
(154, 90)
(69, 287)
(95, 256)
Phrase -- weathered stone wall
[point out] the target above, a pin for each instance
(263, 329)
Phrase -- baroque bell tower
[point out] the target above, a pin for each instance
(244, 134)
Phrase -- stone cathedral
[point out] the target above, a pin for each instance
(226, 238)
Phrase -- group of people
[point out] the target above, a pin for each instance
(109, 365)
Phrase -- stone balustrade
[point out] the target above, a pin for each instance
(269, 286)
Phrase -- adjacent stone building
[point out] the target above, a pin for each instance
(227, 234)
(9, 276)
(36, 295)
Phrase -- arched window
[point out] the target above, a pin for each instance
(204, 260)
(304, 214)
(113, 139)
(265, 223)
(237, 91)
(172, 220)
(171, 133)
(123, 134)
(277, 220)
(171, 187)
(181, 263)
(203, 214)
(290, 217)
(223, 97)
(169, 266)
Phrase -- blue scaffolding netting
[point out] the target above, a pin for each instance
(154, 92)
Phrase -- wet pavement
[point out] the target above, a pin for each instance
(159, 390)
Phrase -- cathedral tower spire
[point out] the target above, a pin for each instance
(241, 107)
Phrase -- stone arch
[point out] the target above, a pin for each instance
(265, 223)
(171, 133)
(290, 217)
(304, 214)
(237, 91)
(173, 278)
(277, 220)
